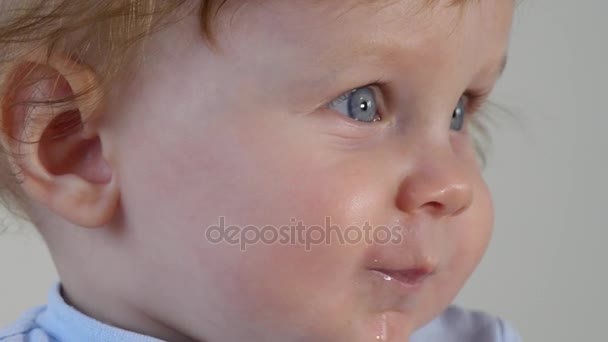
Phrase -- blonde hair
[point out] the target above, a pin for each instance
(79, 28)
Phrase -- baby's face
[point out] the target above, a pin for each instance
(260, 134)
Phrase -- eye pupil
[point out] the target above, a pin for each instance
(363, 107)
(458, 115)
(457, 112)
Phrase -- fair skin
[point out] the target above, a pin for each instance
(196, 134)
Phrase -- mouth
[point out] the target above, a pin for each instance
(405, 281)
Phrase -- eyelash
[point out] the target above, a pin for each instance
(474, 101)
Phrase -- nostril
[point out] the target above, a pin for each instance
(436, 207)
(445, 208)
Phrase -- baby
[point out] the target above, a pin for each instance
(252, 170)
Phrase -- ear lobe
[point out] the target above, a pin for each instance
(54, 143)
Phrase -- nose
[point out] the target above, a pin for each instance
(440, 184)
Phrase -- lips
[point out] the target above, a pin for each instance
(405, 277)
(408, 269)
(410, 278)
(405, 266)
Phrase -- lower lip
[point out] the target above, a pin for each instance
(402, 283)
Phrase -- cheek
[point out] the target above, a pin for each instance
(252, 175)
(277, 184)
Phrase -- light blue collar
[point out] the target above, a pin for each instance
(66, 324)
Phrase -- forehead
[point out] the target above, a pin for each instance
(321, 39)
(315, 21)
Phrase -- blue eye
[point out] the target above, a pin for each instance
(358, 104)
(458, 116)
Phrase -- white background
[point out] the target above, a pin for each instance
(544, 270)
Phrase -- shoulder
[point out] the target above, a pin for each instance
(457, 324)
(25, 329)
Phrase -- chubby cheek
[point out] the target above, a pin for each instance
(315, 291)
(255, 175)
(297, 281)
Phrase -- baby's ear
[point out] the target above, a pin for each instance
(49, 113)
